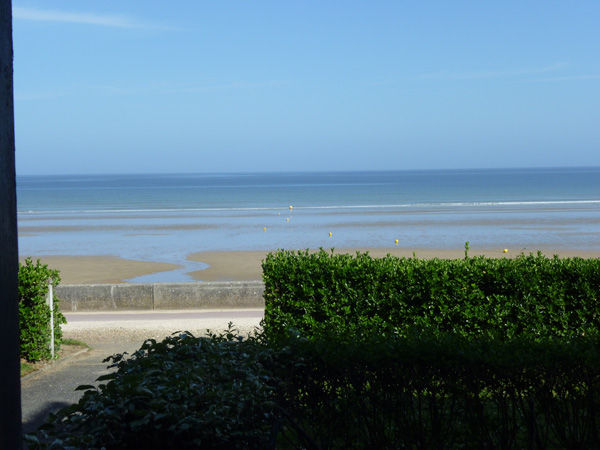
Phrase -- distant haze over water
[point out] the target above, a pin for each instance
(165, 217)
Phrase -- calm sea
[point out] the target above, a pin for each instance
(166, 217)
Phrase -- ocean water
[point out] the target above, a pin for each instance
(166, 217)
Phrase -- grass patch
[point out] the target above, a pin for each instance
(70, 341)
(27, 368)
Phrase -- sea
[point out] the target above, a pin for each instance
(165, 217)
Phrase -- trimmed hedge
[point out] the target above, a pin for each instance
(532, 295)
(442, 392)
(34, 313)
(421, 392)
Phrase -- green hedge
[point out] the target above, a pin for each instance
(504, 298)
(423, 392)
(441, 392)
(34, 313)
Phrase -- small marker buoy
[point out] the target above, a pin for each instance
(396, 241)
(330, 234)
(291, 207)
(505, 250)
(265, 229)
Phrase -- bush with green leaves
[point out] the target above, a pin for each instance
(181, 393)
(504, 298)
(34, 313)
(443, 391)
(400, 392)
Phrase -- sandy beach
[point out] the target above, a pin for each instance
(242, 265)
(100, 269)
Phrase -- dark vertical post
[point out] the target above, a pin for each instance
(10, 383)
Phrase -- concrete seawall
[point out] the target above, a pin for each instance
(157, 296)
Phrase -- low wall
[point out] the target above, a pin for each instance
(156, 296)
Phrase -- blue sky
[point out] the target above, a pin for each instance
(193, 86)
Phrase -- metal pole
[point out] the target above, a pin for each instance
(50, 302)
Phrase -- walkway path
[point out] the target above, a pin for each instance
(109, 333)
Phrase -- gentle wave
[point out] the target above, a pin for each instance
(320, 207)
(458, 204)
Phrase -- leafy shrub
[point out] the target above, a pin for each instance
(504, 298)
(415, 392)
(34, 313)
(181, 393)
(442, 392)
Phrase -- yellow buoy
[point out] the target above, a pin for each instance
(287, 219)
(265, 229)
(505, 250)
(330, 234)
(396, 241)
(291, 207)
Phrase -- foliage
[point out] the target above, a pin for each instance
(442, 392)
(504, 298)
(415, 392)
(368, 353)
(181, 393)
(34, 313)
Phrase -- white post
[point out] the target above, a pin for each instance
(50, 303)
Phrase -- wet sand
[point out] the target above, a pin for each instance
(100, 269)
(241, 265)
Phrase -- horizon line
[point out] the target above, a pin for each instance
(322, 171)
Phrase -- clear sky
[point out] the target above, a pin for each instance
(212, 86)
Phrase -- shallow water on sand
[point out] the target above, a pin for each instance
(166, 217)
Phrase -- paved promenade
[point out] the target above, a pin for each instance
(109, 333)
